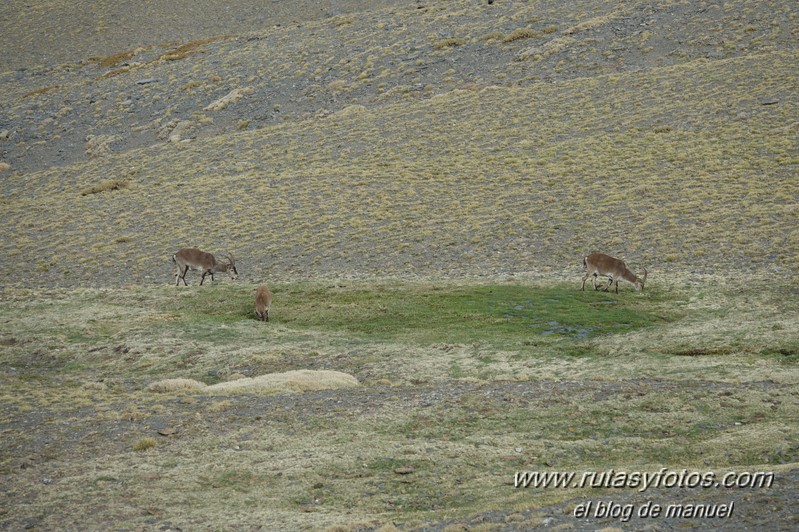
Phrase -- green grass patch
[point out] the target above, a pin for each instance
(495, 313)
(529, 321)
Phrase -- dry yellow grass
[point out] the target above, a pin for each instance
(176, 385)
(538, 178)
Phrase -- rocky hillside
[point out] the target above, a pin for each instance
(401, 138)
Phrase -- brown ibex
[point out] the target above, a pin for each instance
(263, 300)
(193, 259)
(600, 264)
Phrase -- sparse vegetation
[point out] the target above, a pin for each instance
(113, 59)
(449, 42)
(144, 444)
(43, 90)
(106, 186)
(184, 50)
(418, 184)
(520, 33)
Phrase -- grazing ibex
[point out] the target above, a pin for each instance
(263, 300)
(193, 259)
(600, 264)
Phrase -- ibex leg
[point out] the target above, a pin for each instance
(181, 275)
(610, 283)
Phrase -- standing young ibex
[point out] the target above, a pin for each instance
(263, 300)
(193, 259)
(600, 264)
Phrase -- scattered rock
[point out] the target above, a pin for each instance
(297, 381)
(230, 98)
(539, 53)
(175, 130)
(175, 385)
(99, 145)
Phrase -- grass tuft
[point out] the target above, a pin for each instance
(519, 34)
(108, 185)
(189, 48)
(114, 59)
(449, 42)
(144, 444)
(43, 90)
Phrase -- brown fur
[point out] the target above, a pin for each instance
(193, 259)
(614, 269)
(263, 301)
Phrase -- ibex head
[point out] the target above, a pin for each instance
(639, 283)
(231, 267)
